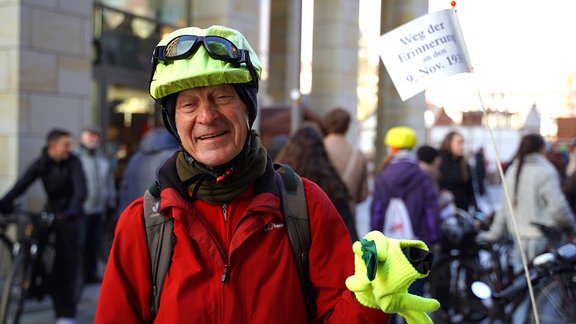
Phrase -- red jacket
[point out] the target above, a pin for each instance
(238, 270)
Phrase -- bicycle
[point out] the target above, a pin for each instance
(553, 277)
(474, 284)
(557, 296)
(34, 255)
(457, 268)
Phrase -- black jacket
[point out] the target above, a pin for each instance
(452, 179)
(64, 183)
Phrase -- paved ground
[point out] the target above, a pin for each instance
(41, 312)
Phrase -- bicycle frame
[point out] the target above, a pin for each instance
(6, 250)
(556, 297)
(554, 278)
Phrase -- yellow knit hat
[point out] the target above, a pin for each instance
(400, 137)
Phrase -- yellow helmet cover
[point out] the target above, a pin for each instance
(199, 69)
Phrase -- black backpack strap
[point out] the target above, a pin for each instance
(295, 210)
(160, 236)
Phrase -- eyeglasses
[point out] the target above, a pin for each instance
(218, 48)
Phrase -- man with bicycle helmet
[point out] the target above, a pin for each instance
(232, 261)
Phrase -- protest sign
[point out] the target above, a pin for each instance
(424, 51)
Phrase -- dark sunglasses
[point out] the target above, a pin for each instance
(218, 48)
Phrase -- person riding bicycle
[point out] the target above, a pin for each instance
(65, 185)
(231, 260)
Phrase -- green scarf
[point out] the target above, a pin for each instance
(247, 168)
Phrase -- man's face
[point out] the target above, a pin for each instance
(90, 140)
(60, 149)
(212, 123)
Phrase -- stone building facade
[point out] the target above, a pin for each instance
(77, 63)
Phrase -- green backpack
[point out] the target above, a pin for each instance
(160, 236)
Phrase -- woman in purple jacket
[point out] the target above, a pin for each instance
(400, 176)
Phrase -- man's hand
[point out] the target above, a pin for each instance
(394, 274)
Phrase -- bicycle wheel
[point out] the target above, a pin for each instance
(14, 292)
(6, 260)
(555, 300)
(451, 284)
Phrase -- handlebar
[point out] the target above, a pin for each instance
(555, 235)
(20, 215)
(548, 231)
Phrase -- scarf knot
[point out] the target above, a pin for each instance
(223, 185)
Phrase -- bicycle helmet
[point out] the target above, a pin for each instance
(457, 231)
(200, 66)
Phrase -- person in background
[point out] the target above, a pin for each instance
(429, 161)
(455, 173)
(231, 256)
(155, 148)
(536, 196)
(480, 171)
(65, 185)
(276, 144)
(400, 176)
(556, 159)
(569, 186)
(100, 200)
(306, 154)
(348, 160)
(569, 189)
(571, 165)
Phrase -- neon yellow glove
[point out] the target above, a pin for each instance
(394, 274)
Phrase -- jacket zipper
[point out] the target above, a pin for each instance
(225, 215)
(225, 273)
(225, 212)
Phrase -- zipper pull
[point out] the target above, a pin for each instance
(225, 212)
(224, 273)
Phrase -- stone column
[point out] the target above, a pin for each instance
(284, 50)
(45, 79)
(241, 15)
(391, 110)
(335, 56)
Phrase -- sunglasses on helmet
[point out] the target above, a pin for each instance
(218, 48)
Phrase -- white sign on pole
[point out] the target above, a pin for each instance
(424, 51)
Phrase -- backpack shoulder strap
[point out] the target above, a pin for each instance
(295, 210)
(160, 237)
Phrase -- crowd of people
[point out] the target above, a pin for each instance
(82, 194)
(230, 254)
(436, 182)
